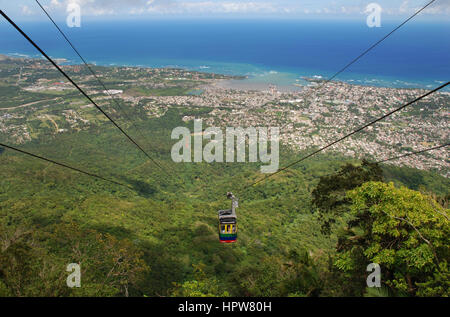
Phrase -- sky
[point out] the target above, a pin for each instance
(118, 9)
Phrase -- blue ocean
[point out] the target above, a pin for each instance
(275, 51)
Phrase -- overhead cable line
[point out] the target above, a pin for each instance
(396, 157)
(324, 82)
(96, 77)
(79, 89)
(413, 153)
(345, 68)
(378, 42)
(349, 134)
(63, 165)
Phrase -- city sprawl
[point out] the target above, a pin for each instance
(36, 101)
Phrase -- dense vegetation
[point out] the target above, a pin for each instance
(300, 234)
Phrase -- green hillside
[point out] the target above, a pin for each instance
(160, 237)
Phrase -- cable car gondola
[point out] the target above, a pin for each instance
(228, 222)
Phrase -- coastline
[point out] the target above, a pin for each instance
(257, 77)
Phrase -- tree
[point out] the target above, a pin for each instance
(109, 267)
(26, 268)
(329, 196)
(201, 286)
(294, 273)
(405, 232)
(33, 262)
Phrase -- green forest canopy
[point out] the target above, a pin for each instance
(160, 239)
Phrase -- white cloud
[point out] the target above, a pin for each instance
(404, 6)
(230, 7)
(26, 10)
(440, 7)
(177, 7)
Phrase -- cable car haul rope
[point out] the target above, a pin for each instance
(227, 219)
